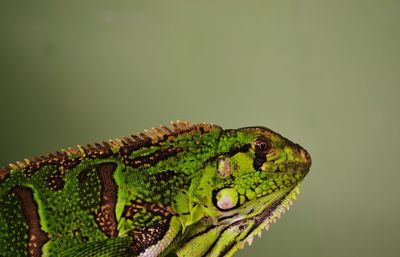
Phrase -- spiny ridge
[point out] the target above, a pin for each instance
(104, 149)
(272, 218)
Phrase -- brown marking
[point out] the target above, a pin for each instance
(153, 158)
(60, 161)
(132, 144)
(36, 236)
(154, 208)
(56, 183)
(144, 237)
(55, 180)
(4, 173)
(165, 176)
(71, 157)
(105, 217)
(82, 177)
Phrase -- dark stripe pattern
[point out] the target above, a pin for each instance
(234, 150)
(105, 217)
(36, 236)
(71, 157)
(154, 158)
(55, 179)
(146, 236)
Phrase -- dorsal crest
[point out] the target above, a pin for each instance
(71, 156)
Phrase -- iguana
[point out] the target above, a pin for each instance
(188, 190)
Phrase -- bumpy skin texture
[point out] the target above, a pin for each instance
(191, 190)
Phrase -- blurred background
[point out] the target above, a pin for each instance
(325, 74)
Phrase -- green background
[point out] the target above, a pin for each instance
(323, 73)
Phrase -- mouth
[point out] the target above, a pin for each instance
(275, 210)
(253, 225)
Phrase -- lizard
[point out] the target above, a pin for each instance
(186, 190)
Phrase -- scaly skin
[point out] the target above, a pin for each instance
(192, 190)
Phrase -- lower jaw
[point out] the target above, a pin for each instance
(270, 215)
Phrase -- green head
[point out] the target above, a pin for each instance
(254, 164)
(254, 179)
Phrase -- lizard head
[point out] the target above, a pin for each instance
(257, 163)
(254, 179)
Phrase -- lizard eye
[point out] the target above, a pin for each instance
(262, 145)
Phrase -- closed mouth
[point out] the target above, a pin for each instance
(264, 219)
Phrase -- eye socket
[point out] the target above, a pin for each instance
(262, 145)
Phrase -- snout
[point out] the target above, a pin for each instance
(305, 156)
(305, 159)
